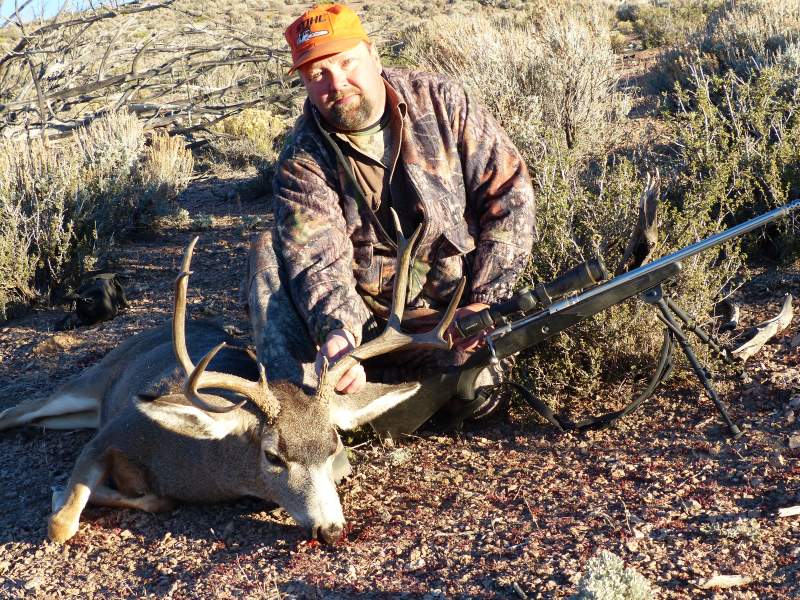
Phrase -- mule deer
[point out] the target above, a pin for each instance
(161, 440)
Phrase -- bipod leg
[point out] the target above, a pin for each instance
(691, 324)
(701, 372)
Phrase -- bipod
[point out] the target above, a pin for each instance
(668, 310)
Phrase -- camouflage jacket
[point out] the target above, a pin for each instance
(472, 187)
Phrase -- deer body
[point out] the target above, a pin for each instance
(161, 440)
(157, 447)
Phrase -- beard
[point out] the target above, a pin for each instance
(352, 116)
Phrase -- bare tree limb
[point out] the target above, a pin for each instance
(127, 9)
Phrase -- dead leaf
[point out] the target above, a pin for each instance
(55, 344)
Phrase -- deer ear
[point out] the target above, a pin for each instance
(351, 411)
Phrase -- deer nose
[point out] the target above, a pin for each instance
(327, 533)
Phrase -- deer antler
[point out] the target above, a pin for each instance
(197, 377)
(392, 337)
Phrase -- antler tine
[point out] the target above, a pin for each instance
(198, 377)
(435, 337)
(392, 337)
(256, 391)
(405, 247)
(179, 310)
(193, 380)
(322, 379)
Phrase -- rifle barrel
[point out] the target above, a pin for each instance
(678, 256)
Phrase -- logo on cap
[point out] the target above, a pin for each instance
(307, 34)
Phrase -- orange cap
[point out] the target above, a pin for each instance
(321, 31)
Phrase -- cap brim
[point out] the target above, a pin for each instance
(327, 49)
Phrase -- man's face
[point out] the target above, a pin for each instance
(347, 88)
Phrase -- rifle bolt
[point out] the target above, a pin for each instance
(545, 329)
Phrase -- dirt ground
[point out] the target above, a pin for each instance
(510, 508)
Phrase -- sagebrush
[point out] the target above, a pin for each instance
(607, 578)
(588, 183)
(62, 206)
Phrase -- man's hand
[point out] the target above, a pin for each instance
(472, 343)
(338, 343)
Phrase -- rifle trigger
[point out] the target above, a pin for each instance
(490, 344)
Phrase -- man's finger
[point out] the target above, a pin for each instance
(352, 381)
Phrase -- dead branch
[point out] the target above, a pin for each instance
(128, 9)
(62, 78)
(765, 332)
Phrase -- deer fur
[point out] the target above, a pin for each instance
(160, 441)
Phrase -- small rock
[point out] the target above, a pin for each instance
(416, 565)
(399, 456)
(33, 583)
(794, 441)
(385, 515)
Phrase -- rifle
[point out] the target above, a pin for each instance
(535, 314)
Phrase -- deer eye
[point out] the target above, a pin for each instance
(274, 459)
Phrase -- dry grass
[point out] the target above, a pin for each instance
(547, 81)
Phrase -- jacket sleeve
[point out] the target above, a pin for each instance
(315, 249)
(499, 194)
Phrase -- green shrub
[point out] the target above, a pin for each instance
(607, 578)
(253, 136)
(740, 143)
(662, 23)
(62, 206)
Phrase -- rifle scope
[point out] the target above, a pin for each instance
(577, 278)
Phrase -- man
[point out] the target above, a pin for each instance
(369, 139)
